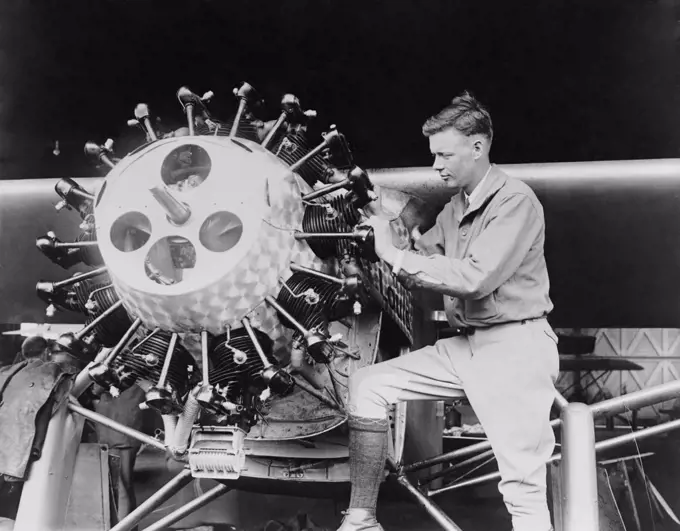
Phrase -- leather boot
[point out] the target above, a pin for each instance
(359, 520)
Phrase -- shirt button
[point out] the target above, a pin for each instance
(464, 232)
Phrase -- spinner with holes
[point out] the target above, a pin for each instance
(234, 282)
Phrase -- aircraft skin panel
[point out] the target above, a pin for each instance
(612, 232)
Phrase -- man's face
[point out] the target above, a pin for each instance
(454, 158)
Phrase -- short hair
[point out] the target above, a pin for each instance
(465, 114)
(33, 346)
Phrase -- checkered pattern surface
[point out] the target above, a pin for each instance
(240, 292)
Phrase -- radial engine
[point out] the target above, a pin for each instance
(232, 279)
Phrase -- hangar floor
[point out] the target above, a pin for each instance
(477, 508)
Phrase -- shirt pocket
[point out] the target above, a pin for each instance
(483, 309)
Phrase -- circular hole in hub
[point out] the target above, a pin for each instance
(186, 167)
(170, 260)
(221, 231)
(130, 232)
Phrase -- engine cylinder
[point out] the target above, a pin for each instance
(292, 147)
(95, 298)
(144, 361)
(312, 301)
(228, 370)
(335, 216)
(90, 255)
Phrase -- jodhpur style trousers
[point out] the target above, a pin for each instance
(507, 373)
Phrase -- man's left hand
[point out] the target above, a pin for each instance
(383, 238)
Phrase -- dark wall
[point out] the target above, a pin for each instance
(565, 80)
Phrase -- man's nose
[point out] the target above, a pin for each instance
(437, 164)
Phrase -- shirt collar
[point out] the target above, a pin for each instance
(477, 189)
(492, 182)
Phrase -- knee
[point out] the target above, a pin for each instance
(359, 383)
(364, 386)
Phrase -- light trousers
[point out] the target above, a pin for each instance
(508, 374)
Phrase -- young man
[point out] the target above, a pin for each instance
(485, 256)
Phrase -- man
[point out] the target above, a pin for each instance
(485, 256)
(124, 449)
(34, 347)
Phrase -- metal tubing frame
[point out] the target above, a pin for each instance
(613, 406)
(421, 499)
(466, 451)
(616, 405)
(116, 426)
(488, 454)
(154, 501)
(600, 446)
(189, 508)
(580, 510)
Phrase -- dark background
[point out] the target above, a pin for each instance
(565, 80)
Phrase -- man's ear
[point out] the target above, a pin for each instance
(478, 147)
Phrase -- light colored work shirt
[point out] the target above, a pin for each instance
(488, 261)
(480, 186)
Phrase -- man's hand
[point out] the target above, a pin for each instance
(383, 238)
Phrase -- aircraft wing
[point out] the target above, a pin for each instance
(612, 235)
(612, 238)
(27, 211)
